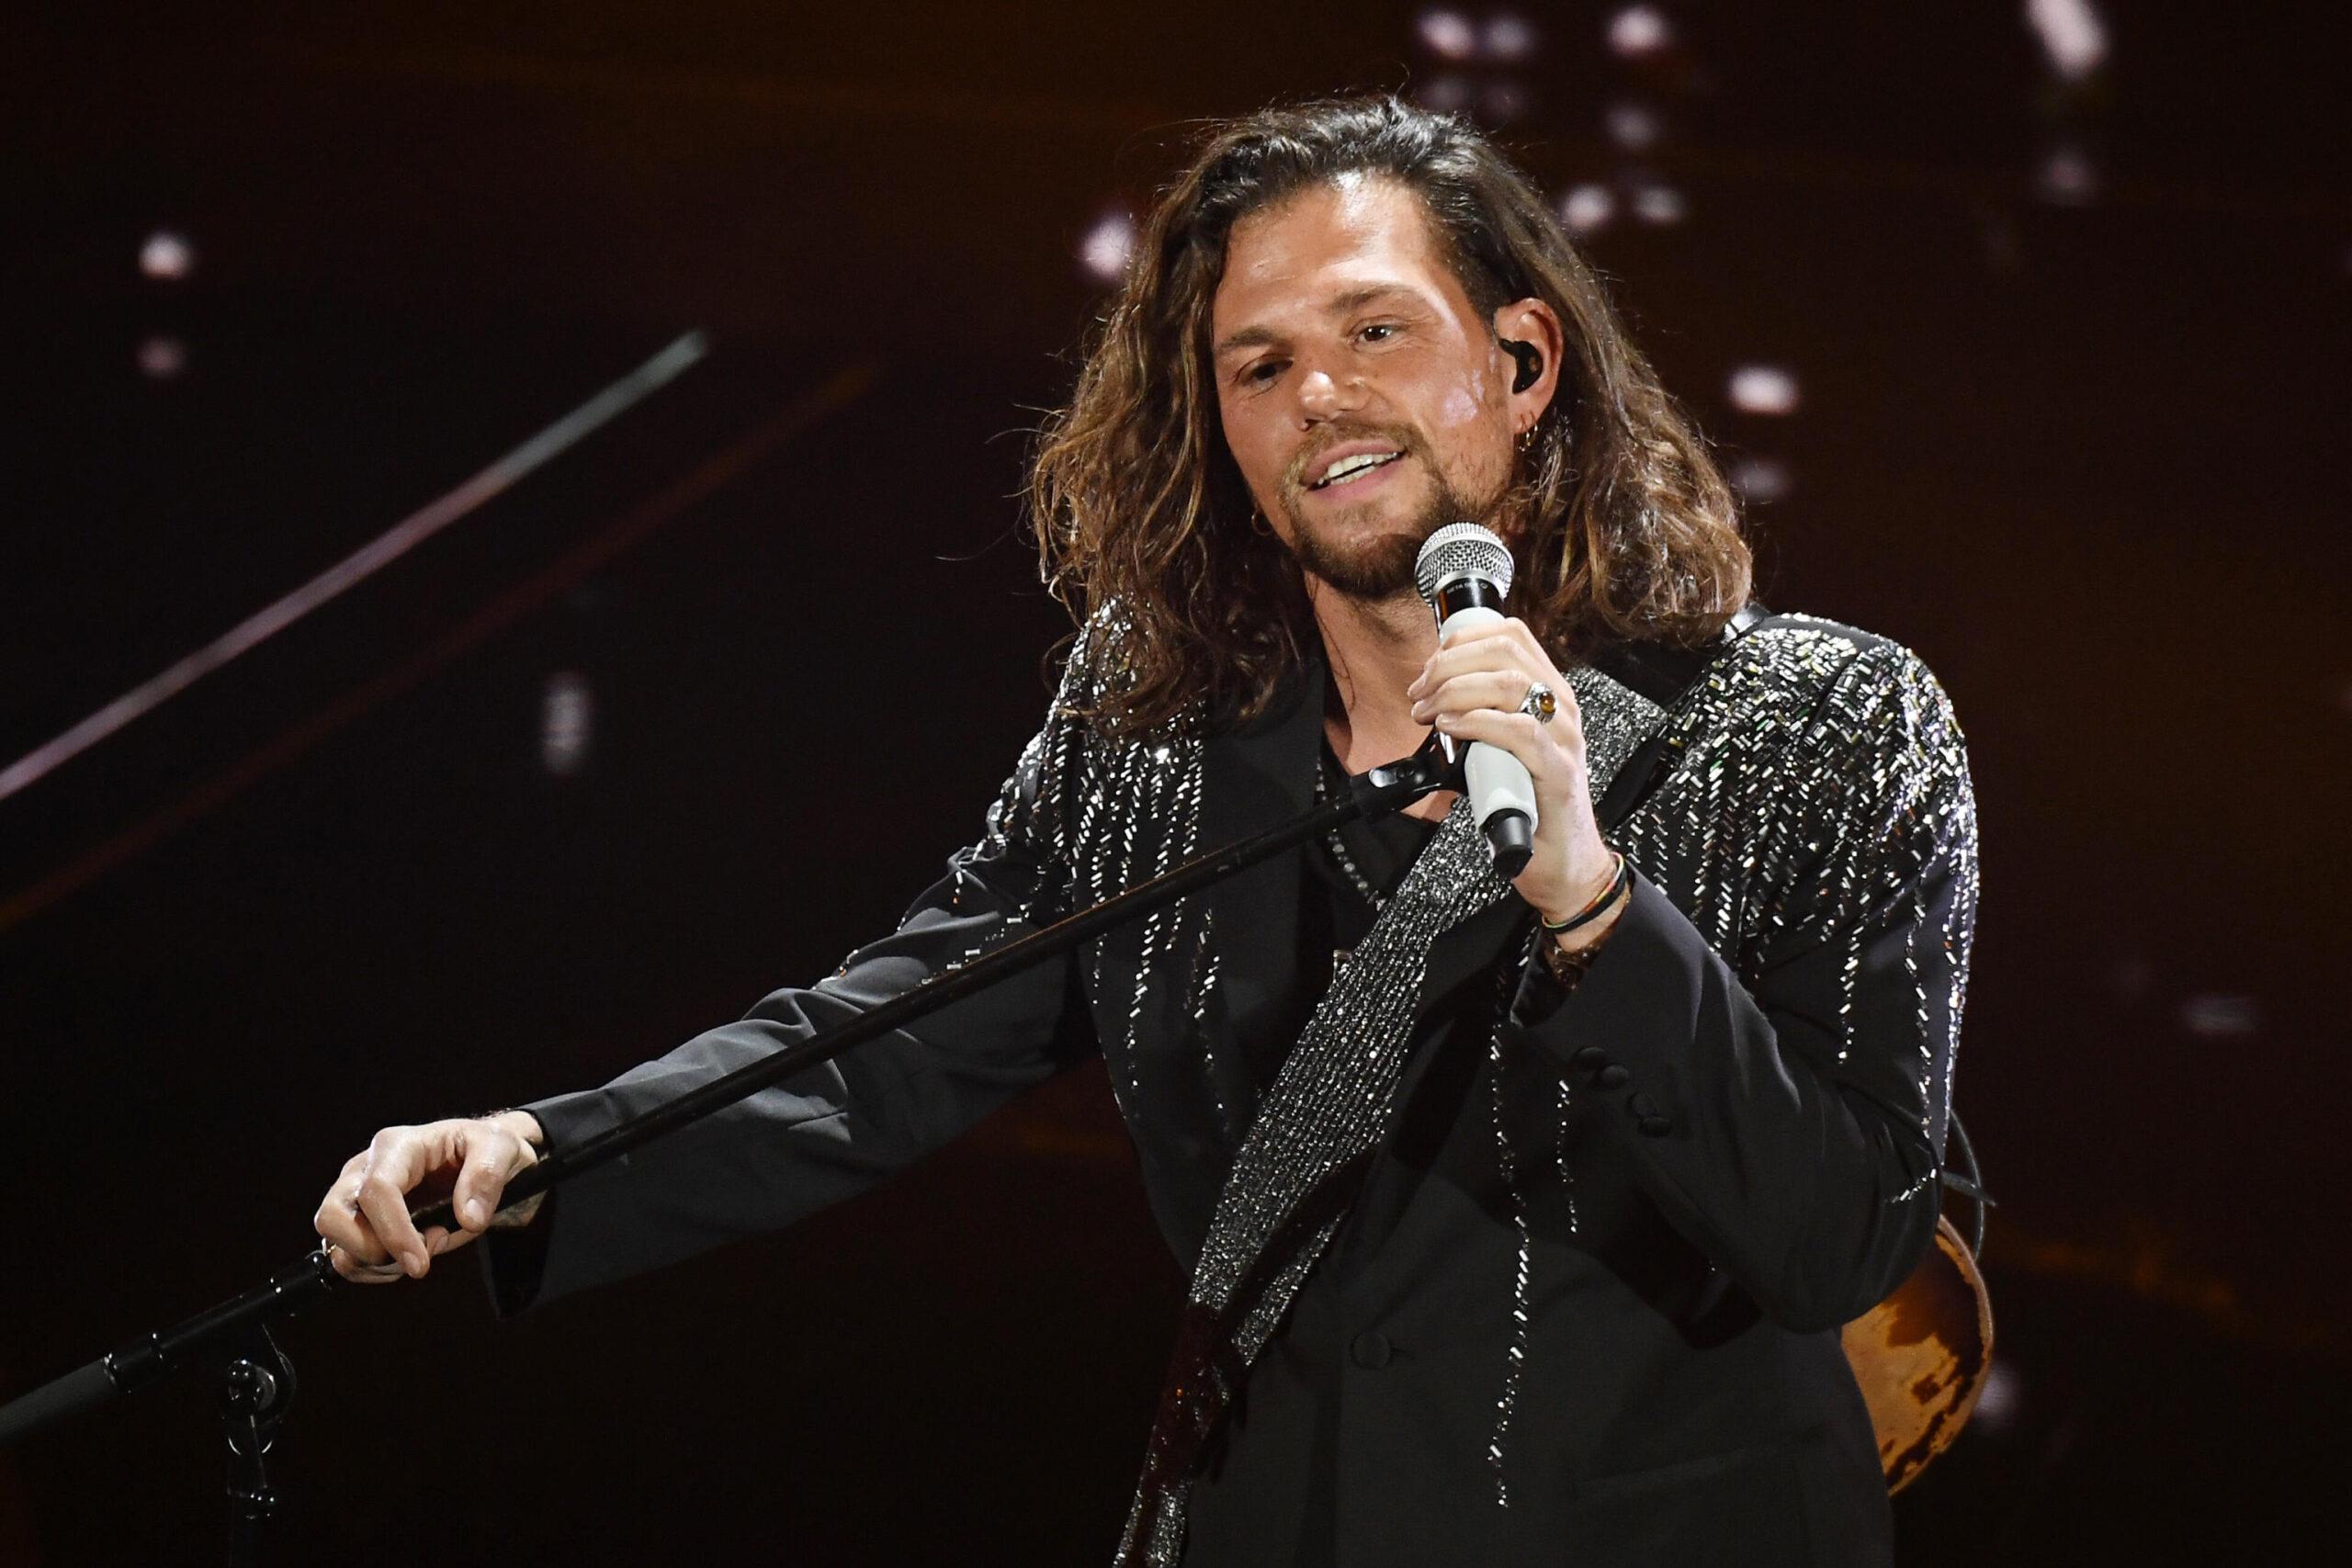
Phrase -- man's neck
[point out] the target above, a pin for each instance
(1376, 648)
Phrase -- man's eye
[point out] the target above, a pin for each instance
(1379, 332)
(1263, 373)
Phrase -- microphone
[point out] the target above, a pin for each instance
(1463, 571)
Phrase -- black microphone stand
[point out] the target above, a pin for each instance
(233, 1340)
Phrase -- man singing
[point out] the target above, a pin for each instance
(1520, 1217)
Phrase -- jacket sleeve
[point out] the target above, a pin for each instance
(1791, 1124)
(838, 1128)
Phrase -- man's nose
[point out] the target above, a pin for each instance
(1321, 396)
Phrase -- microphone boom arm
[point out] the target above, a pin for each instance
(227, 1329)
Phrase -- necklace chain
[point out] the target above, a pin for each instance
(1332, 841)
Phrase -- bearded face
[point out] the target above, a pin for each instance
(1360, 552)
(1364, 396)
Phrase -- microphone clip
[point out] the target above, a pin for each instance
(1436, 766)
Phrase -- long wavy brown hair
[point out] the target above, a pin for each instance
(1627, 529)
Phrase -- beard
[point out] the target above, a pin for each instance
(1380, 567)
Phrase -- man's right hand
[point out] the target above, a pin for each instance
(364, 1219)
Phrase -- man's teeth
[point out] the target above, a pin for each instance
(1347, 467)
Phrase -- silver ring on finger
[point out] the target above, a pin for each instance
(1539, 703)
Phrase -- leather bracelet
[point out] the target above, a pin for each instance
(1618, 882)
(1568, 968)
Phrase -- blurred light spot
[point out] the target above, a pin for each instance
(166, 255)
(1104, 250)
(2067, 177)
(2072, 34)
(1998, 1400)
(1509, 36)
(161, 358)
(1659, 204)
(1639, 30)
(1763, 389)
(1448, 35)
(1762, 479)
(1447, 95)
(1502, 103)
(1587, 208)
(567, 722)
(2221, 1017)
(1634, 127)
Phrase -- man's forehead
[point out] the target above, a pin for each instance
(1325, 247)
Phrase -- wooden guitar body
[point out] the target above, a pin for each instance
(1921, 1355)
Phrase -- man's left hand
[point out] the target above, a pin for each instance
(1472, 688)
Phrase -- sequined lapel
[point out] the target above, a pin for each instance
(1617, 720)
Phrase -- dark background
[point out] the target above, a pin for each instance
(2071, 356)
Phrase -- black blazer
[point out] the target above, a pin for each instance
(1586, 1308)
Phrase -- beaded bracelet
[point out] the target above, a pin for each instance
(1618, 882)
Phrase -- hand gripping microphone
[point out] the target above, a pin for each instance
(1463, 571)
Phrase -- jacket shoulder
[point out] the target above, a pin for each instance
(1867, 713)
(1827, 644)
(1827, 662)
(1097, 670)
(1801, 695)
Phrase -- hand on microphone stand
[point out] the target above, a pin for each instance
(364, 1218)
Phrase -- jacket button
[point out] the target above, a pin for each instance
(1641, 1106)
(1592, 1057)
(1371, 1349)
(1613, 1076)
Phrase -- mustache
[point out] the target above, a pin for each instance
(1403, 437)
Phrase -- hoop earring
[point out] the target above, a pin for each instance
(1258, 526)
(1527, 439)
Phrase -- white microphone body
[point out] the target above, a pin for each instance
(1464, 573)
(1496, 781)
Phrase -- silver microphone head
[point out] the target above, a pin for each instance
(1459, 551)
